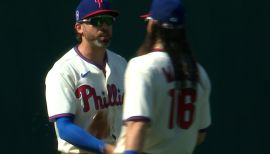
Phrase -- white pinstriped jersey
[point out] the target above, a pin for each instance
(175, 117)
(76, 87)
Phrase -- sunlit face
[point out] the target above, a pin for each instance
(99, 36)
(96, 30)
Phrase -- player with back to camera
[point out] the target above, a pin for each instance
(84, 88)
(166, 105)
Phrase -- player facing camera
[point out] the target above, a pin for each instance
(84, 88)
(98, 14)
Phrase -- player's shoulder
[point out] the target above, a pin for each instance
(64, 63)
(202, 71)
(203, 75)
(115, 58)
(151, 60)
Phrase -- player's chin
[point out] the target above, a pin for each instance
(105, 42)
(101, 43)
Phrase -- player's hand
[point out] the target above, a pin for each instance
(108, 149)
(100, 126)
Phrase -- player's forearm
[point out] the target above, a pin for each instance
(135, 135)
(75, 135)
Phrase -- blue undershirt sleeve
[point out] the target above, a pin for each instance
(77, 136)
(131, 152)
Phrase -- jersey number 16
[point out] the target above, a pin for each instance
(183, 103)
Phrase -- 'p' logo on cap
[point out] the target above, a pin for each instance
(99, 2)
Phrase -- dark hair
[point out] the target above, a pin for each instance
(175, 44)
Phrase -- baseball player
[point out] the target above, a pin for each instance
(84, 88)
(166, 104)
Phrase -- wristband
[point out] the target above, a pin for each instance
(131, 152)
(101, 147)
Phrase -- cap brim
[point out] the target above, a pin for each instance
(99, 12)
(145, 16)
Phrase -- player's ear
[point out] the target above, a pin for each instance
(78, 28)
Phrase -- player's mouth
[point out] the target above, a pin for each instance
(105, 38)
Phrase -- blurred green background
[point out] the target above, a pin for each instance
(230, 39)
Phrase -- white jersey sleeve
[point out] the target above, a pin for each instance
(137, 104)
(59, 94)
(205, 117)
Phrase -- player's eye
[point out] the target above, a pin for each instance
(99, 20)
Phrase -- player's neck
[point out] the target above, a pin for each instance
(94, 54)
(158, 45)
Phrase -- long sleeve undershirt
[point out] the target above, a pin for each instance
(77, 136)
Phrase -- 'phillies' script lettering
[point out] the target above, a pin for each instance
(86, 92)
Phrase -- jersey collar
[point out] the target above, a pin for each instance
(102, 67)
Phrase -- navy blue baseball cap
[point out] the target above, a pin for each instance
(90, 8)
(169, 13)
